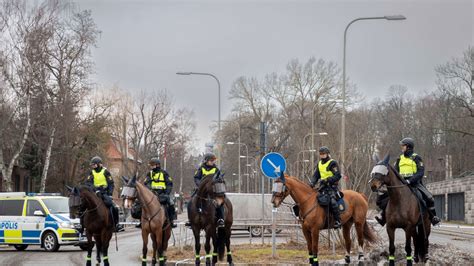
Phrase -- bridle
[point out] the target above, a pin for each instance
(383, 170)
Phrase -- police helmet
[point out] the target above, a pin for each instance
(96, 160)
(324, 149)
(154, 161)
(409, 142)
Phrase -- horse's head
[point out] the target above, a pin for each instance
(279, 191)
(75, 202)
(129, 191)
(379, 174)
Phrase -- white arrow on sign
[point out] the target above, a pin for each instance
(277, 168)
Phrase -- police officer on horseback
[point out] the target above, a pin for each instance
(161, 183)
(328, 174)
(102, 182)
(208, 167)
(410, 166)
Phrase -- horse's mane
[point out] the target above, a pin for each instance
(397, 174)
(299, 181)
(205, 182)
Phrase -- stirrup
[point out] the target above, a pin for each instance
(337, 225)
(381, 221)
(220, 223)
(188, 223)
(435, 220)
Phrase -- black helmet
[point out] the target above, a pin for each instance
(324, 149)
(209, 157)
(96, 160)
(154, 161)
(409, 142)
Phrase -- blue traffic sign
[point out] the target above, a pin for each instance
(272, 165)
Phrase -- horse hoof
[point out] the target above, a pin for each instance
(409, 263)
(416, 259)
(391, 263)
(347, 258)
(89, 263)
(315, 263)
(143, 263)
(106, 263)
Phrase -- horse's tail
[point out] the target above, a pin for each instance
(221, 239)
(369, 234)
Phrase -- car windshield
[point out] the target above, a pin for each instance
(57, 205)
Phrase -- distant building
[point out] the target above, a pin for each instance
(114, 161)
(21, 180)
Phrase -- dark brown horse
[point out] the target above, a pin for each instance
(202, 216)
(314, 216)
(403, 211)
(153, 219)
(97, 221)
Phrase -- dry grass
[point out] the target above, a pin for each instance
(290, 253)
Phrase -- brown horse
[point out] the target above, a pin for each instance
(97, 220)
(201, 214)
(403, 211)
(153, 219)
(314, 216)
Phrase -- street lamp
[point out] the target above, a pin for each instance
(343, 116)
(240, 156)
(218, 104)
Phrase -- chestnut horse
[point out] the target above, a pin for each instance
(403, 211)
(153, 219)
(97, 220)
(314, 216)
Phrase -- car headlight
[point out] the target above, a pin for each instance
(66, 225)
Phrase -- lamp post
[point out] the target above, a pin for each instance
(247, 152)
(343, 116)
(218, 105)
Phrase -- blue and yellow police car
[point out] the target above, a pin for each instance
(37, 219)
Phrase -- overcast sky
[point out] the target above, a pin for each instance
(144, 43)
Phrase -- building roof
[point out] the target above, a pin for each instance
(114, 151)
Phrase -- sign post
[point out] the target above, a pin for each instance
(273, 165)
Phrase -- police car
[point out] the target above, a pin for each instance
(37, 219)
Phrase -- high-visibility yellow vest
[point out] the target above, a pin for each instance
(100, 180)
(324, 172)
(407, 166)
(157, 180)
(208, 172)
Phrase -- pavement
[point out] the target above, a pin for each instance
(130, 245)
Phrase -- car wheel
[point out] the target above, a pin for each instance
(20, 247)
(50, 242)
(256, 231)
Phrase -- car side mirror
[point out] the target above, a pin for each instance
(38, 213)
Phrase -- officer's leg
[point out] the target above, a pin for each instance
(382, 202)
(429, 200)
(172, 213)
(220, 215)
(335, 211)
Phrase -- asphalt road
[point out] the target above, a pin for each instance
(130, 244)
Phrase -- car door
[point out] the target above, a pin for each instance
(33, 224)
(11, 221)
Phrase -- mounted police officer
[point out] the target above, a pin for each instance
(102, 182)
(161, 183)
(410, 166)
(208, 167)
(328, 174)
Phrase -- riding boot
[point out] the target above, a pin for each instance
(81, 221)
(172, 215)
(336, 214)
(432, 213)
(381, 220)
(220, 216)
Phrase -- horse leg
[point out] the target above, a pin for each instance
(315, 246)
(90, 246)
(408, 236)
(391, 248)
(155, 248)
(346, 231)
(307, 236)
(227, 244)
(197, 245)
(159, 244)
(427, 241)
(105, 247)
(98, 245)
(207, 248)
(145, 245)
(360, 239)
(214, 250)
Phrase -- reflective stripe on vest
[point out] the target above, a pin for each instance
(407, 166)
(99, 178)
(210, 172)
(157, 180)
(324, 172)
